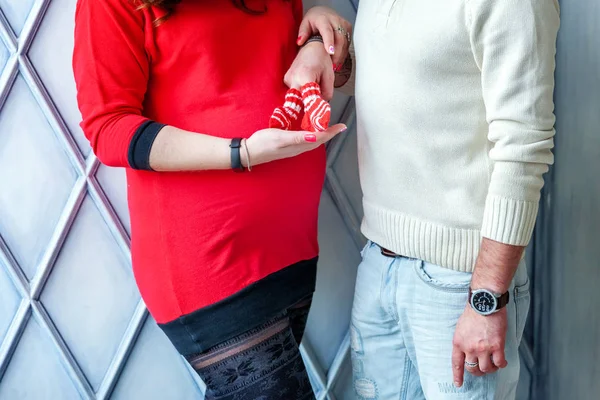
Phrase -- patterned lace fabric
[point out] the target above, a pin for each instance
(263, 363)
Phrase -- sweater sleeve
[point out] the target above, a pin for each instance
(514, 45)
(111, 71)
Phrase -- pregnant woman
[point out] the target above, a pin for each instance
(223, 211)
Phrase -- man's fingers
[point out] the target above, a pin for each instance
(472, 369)
(485, 363)
(499, 359)
(458, 366)
(470, 359)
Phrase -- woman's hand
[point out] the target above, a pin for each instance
(334, 29)
(274, 144)
(316, 62)
(312, 64)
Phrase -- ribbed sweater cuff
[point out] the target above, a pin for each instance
(509, 221)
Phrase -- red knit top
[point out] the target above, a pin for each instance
(198, 237)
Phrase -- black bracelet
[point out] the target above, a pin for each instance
(236, 159)
(314, 38)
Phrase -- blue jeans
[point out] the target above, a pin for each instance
(403, 320)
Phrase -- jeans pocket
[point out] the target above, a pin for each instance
(522, 296)
(443, 279)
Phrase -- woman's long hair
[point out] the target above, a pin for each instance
(169, 7)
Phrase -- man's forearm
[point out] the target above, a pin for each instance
(496, 265)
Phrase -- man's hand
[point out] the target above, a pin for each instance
(312, 64)
(479, 339)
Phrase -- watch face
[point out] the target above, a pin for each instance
(484, 302)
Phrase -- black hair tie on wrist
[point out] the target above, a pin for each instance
(313, 38)
(236, 159)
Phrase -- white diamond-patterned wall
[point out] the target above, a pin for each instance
(35, 370)
(36, 177)
(10, 301)
(16, 11)
(50, 54)
(90, 294)
(72, 324)
(170, 378)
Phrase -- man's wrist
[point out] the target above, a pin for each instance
(495, 266)
(492, 282)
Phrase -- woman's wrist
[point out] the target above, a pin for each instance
(314, 38)
(245, 155)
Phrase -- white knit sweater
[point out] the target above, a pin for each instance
(455, 122)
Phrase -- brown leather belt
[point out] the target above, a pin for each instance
(388, 253)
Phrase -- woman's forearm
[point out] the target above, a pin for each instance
(178, 150)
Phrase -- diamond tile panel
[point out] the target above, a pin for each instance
(329, 318)
(338, 104)
(9, 301)
(155, 371)
(16, 11)
(344, 388)
(90, 294)
(36, 178)
(51, 53)
(346, 169)
(4, 54)
(317, 387)
(35, 371)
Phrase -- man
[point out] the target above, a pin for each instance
(455, 130)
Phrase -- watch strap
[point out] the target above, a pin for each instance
(503, 300)
(236, 158)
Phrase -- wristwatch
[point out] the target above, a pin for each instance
(485, 302)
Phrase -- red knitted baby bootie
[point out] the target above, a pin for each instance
(317, 112)
(286, 116)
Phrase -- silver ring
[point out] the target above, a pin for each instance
(471, 364)
(341, 30)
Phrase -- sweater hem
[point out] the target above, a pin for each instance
(448, 247)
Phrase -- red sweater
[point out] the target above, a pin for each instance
(198, 237)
